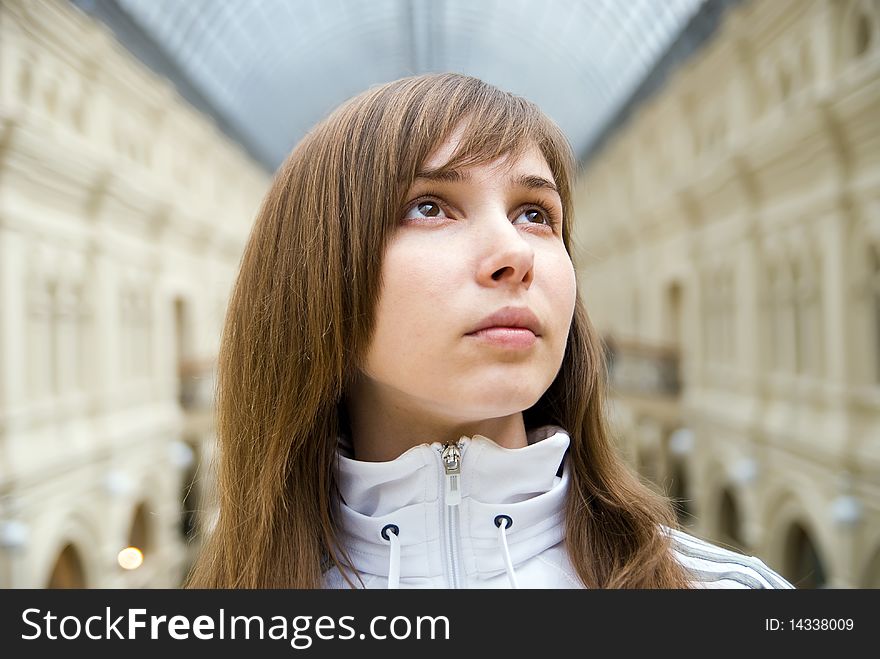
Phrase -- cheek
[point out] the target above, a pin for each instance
(415, 281)
(413, 304)
(561, 290)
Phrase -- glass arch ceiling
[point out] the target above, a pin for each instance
(272, 68)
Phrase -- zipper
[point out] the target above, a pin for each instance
(451, 455)
(450, 463)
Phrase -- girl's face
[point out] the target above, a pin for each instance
(466, 248)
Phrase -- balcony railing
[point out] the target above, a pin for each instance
(642, 369)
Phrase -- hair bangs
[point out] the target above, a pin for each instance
(488, 123)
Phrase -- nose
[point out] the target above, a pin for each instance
(508, 257)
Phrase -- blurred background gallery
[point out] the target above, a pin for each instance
(727, 236)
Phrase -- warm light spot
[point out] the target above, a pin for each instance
(130, 558)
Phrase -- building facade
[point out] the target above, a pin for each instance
(728, 240)
(123, 214)
(729, 243)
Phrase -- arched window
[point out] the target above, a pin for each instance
(140, 535)
(862, 35)
(729, 524)
(68, 570)
(802, 564)
(679, 493)
(857, 30)
(872, 574)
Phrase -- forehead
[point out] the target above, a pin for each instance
(531, 161)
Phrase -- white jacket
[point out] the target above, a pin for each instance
(477, 515)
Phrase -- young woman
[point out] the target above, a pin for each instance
(410, 391)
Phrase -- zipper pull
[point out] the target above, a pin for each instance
(451, 457)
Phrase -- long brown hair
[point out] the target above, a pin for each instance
(299, 323)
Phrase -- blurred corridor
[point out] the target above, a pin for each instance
(727, 227)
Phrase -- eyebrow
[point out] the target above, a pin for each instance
(529, 181)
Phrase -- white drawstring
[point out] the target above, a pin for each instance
(390, 533)
(503, 522)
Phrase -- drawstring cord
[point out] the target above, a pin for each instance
(504, 522)
(390, 532)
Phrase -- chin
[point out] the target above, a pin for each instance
(498, 405)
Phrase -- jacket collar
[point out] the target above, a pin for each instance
(527, 484)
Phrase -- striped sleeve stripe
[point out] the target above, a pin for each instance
(696, 548)
(774, 577)
(702, 549)
(703, 567)
(729, 560)
(726, 554)
(741, 578)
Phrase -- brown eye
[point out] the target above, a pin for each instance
(424, 208)
(534, 216)
(429, 209)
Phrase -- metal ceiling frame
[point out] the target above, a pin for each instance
(602, 51)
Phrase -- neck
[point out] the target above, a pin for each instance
(383, 432)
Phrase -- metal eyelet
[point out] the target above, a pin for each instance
(498, 519)
(389, 527)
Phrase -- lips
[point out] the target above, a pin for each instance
(521, 317)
